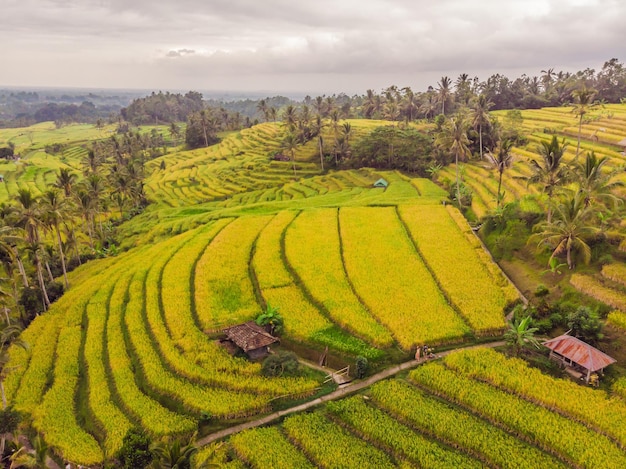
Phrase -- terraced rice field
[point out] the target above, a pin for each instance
(509, 420)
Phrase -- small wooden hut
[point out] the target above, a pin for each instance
(578, 355)
(252, 339)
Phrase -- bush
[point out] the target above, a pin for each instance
(362, 366)
(9, 420)
(279, 364)
(585, 324)
(541, 291)
(135, 451)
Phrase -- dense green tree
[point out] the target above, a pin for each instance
(585, 324)
(135, 452)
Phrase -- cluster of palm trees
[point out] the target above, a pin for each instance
(302, 125)
(577, 193)
(41, 234)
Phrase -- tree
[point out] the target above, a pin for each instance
(443, 91)
(549, 172)
(37, 458)
(135, 452)
(361, 366)
(568, 232)
(54, 215)
(520, 334)
(595, 184)
(272, 318)
(583, 103)
(585, 324)
(501, 160)
(65, 181)
(453, 139)
(290, 143)
(173, 455)
(480, 118)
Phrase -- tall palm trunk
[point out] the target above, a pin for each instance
(320, 141)
(56, 226)
(42, 284)
(580, 129)
(4, 406)
(501, 170)
(480, 142)
(458, 189)
(20, 266)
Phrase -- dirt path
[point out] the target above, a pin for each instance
(337, 394)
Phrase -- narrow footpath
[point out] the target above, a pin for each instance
(337, 394)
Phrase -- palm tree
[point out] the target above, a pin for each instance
(290, 143)
(596, 184)
(520, 334)
(583, 103)
(318, 125)
(173, 455)
(263, 109)
(54, 214)
(453, 139)
(569, 231)
(549, 172)
(480, 118)
(501, 160)
(290, 117)
(36, 458)
(444, 92)
(65, 181)
(85, 204)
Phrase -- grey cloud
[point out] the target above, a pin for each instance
(291, 44)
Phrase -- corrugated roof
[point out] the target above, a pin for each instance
(579, 352)
(249, 336)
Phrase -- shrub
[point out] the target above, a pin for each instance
(135, 452)
(281, 363)
(362, 366)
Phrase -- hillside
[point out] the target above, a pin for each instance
(360, 270)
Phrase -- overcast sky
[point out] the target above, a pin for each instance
(291, 46)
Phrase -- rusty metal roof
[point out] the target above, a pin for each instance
(579, 352)
(248, 336)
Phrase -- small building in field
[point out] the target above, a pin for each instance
(381, 183)
(578, 356)
(249, 337)
(622, 143)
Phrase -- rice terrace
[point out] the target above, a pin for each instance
(334, 282)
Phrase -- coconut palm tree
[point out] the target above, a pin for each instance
(173, 455)
(454, 140)
(55, 213)
(263, 109)
(520, 334)
(501, 159)
(65, 180)
(569, 231)
(549, 172)
(583, 103)
(290, 117)
(596, 184)
(480, 118)
(443, 91)
(290, 143)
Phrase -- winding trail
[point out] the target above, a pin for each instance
(337, 394)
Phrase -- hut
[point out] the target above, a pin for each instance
(249, 337)
(622, 143)
(578, 356)
(381, 183)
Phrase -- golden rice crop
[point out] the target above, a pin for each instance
(458, 428)
(392, 280)
(151, 414)
(268, 447)
(327, 444)
(590, 286)
(313, 249)
(542, 427)
(456, 266)
(514, 375)
(383, 429)
(617, 318)
(223, 290)
(615, 272)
